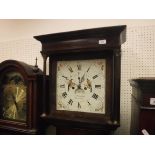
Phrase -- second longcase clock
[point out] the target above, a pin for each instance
(20, 98)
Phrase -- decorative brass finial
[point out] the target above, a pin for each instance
(36, 63)
(36, 69)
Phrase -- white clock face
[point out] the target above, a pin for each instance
(80, 86)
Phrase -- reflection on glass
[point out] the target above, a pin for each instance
(13, 97)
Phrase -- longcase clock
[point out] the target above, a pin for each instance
(82, 93)
(20, 98)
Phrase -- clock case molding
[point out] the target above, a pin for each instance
(104, 42)
(33, 79)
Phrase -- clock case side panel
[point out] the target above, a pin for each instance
(33, 81)
(112, 111)
(116, 86)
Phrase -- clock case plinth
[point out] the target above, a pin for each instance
(33, 77)
(94, 43)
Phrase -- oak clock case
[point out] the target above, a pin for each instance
(84, 80)
(79, 87)
(19, 106)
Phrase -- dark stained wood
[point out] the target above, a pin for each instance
(147, 121)
(33, 79)
(73, 125)
(118, 32)
(80, 131)
(83, 39)
(142, 112)
(76, 115)
(81, 45)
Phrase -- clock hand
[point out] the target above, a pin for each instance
(79, 85)
(83, 77)
(79, 78)
(89, 85)
(88, 69)
(15, 101)
(69, 84)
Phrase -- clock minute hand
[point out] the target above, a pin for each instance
(83, 77)
(88, 69)
(79, 84)
(15, 101)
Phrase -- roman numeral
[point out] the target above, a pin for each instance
(64, 94)
(70, 69)
(62, 86)
(65, 77)
(79, 67)
(98, 86)
(70, 101)
(94, 77)
(79, 106)
(95, 96)
(89, 103)
(102, 67)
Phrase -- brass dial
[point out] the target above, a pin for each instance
(13, 98)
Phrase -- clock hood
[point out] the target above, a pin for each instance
(29, 70)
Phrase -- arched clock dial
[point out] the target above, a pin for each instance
(81, 85)
(13, 98)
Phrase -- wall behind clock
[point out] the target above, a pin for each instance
(138, 60)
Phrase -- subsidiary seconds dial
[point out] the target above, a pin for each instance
(81, 86)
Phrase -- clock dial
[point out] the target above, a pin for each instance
(81, 86)
(13, 97)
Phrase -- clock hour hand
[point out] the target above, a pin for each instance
(79, 85)
(83, 77)
(89, 85)
(69, 84)
(79, 78)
